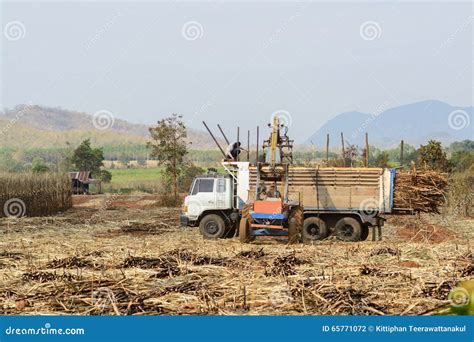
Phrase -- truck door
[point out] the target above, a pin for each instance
(203, 194)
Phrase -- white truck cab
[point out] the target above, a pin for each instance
(214, 200)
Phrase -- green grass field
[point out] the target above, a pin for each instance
(129, 175)
(138, 179)
(134, 179)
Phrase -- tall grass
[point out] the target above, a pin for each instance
(34, 194)
(460, 199)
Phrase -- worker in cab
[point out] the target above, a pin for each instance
(233, 151)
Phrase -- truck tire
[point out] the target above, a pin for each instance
(229, 231)
(314, 229)
(348, 229)
(295, 224)
(365, 232)
(212, 226)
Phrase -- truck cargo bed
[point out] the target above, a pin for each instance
(336, 188)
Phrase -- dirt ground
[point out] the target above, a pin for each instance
(123, 255)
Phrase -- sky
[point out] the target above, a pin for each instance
(235, 63)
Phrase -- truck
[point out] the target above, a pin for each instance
(345, 202)
(273, 197)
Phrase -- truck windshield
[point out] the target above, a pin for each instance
(203, 185)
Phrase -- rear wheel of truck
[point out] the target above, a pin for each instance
(348, 229)
(295, 224)
(365, 232)
(314, 229)
(212, 227)
(229, 231)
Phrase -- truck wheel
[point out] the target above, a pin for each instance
(229, 232)
(212, 227)
(314, 229)
(348, 229)
(365, 232)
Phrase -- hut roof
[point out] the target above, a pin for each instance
(82, 176)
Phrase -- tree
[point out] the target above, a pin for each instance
(39, 166)
(104, 176)
(86, 158)
(351, 153)
(382, 159)
(187, 176)
(461, 160)
(169, 147)
(431, 156)
(465, 145)
(8, 163)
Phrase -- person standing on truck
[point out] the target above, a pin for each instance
(233, 150)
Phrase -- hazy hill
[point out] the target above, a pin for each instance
(415, 123)
(38, 126)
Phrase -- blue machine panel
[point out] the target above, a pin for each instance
(267, 216)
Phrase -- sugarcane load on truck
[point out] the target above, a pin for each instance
(274, 197)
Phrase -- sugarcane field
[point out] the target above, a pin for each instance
(122, 255)
(369, 241)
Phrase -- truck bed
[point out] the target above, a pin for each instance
(337, 188)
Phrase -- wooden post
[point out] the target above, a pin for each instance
(401, 153)
(327, 149)
(215, 140)
(223, 134)
(256, 154)
(248, 145)
(366, 149)
(343, 150)
(238, 133)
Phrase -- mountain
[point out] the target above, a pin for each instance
(415, 123)
(38, 126)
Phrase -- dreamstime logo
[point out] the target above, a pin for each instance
(14, 207)
(103, 297)
(459, 297)
(281, 296)
(459, 119)
(192, 30)
(14, 30)
(102, 30)
(379, 110)
(107, 203)
(283, 116)
(369, 207)
(370, 30)
(103, 119)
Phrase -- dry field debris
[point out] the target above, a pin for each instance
(84, 262)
